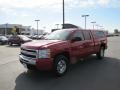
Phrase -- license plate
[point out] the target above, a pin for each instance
(25, 65)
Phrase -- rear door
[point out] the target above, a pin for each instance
(88, 42)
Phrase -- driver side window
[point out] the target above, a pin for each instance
(78, 34)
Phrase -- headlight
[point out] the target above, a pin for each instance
(44, 53)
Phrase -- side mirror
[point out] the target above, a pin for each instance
(76, 39)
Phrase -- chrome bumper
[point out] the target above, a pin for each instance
(27, 60)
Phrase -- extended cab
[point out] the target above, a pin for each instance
(61, 48)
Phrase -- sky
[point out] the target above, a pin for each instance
(105, 13)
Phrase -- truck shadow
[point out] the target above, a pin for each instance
(92, 74)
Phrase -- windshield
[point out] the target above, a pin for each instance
(58, 35)
(3, 37)
(24, 37)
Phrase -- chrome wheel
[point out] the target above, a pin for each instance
(61, 66)
(101, 53)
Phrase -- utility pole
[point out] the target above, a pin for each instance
(63, 14)
(37, 26)
(85, 19)
(93, 24)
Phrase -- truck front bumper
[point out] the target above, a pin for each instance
(41, 64)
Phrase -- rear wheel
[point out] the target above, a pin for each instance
(10, 43)
(101, 53)
(60, 65)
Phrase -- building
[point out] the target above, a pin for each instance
(37, 32)
(7, 29)
(26, 30)
(66, 26)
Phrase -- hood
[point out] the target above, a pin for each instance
(4, 39)
(37, 44)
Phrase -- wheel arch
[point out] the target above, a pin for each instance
(103, 45)
(65, 53)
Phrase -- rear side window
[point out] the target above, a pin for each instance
(78, 34)
(99, 34)
(87, 35)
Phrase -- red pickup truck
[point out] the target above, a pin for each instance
(61, 48)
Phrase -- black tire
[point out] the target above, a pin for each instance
(10, 43)
(100, 54)
(60, 65)
(31, 68)
(0, 43)
(19, 44)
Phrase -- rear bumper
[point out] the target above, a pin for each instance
(41, 64)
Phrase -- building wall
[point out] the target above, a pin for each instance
(7, 28)
(2, 31)
(8, 31)
(24, 30)
(34, 32)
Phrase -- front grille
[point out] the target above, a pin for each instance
(29, 53)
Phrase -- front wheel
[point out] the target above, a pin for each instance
(60, 65)
(101, 53)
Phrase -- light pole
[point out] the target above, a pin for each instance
(85, 19)
(37, 26)
(93, 24)
(6, 29)
(63, 14)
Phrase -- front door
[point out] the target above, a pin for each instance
(77, 46)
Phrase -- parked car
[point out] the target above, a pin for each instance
(61, 48)
(34, 37)
(18, 39)
(3, 40)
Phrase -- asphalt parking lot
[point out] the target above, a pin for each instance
(92, 74)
